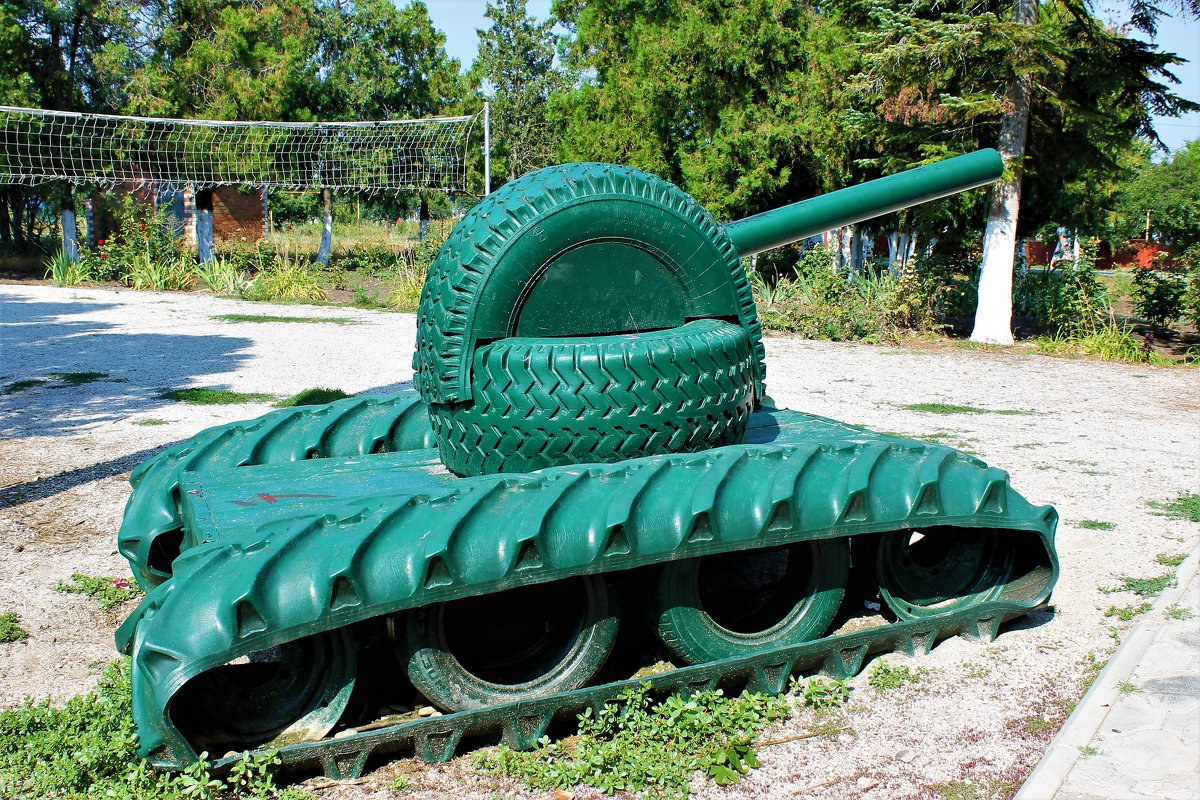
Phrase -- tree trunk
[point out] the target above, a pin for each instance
(70, 236)
(423, 219)
(204, 225)
(326, 227)
(993, 315)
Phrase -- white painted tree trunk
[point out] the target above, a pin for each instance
(204, 225)
(326, 227)
(993, 315)
(70, 234)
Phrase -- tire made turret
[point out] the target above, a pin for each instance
(537, 403)
(576, 250)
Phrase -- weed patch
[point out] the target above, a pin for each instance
(10, 630)
(885, 677)
(820, 693)
(270, 318)
(636, 744)
(1126, 613)
(214, 397)
(150, 421)
(316, 396)
(1176, 611)
(950, 408)
(1170, 559)
(1142, 587)
(1095, 525)
(1185, 506)
(78, 378)
(108, 592)
(1126, 687)
(966, 790)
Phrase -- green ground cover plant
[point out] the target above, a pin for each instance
(22, 385)
(270, 318)
(312, 397)
(107, 591)
(884, 677)
(951, 408)
(1170, 559)
(1185, 506)
(1142, 587)
(1095, 525)
(639, 745)
(214, 397)
(1126, 613)
(10, 628)
(87, 750)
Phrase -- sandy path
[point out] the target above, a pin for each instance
(1099, 441)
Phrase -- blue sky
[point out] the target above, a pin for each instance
(460, 19)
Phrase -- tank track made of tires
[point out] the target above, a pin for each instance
(308, 566)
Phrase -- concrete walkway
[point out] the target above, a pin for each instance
(1136, 733)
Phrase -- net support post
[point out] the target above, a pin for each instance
(326, 227)
(487, 148)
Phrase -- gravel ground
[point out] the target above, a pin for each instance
(1099, 441)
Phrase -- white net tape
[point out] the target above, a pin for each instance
(39, 146)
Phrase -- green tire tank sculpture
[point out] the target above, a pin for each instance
(589, 449)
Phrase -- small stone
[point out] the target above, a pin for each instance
(230, 754)
(563, 794)
(346, 733)
(906, 756)
(427, 711)
(867, 784)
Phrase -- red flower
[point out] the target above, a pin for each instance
(104, 255)
(120, 583)
(142, 226)
(100, 243)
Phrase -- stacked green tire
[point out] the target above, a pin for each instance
(586, 313)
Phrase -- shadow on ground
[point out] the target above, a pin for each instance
(40, 340)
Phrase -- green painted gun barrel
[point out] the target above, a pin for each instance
(865, 201)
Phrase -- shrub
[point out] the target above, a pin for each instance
(287, 280)
(1068, 299)
(637, 745)
(1158, 297)
(64, 271)
(1190, 261)
(88, 749)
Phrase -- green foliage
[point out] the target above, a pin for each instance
(214, 397)
(1128, 687)
(1185, 506)
(22, 385)
(637, 745)
(1069, 299)
(107, 591)
(821, 693)
(1190, 261)
(1126, 613)
(966, 790)
(1095, 525)
(516, 60)
(87, 750)
(144, 251)
(312, 397)
(150, 422)
(1158, 297)
(1169, 191)
(885, 677)
(10, 630)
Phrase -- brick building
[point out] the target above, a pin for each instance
(236, 213)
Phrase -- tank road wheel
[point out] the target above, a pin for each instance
(292, 693)
(519, 644)
(732, 604)
(923, 573)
